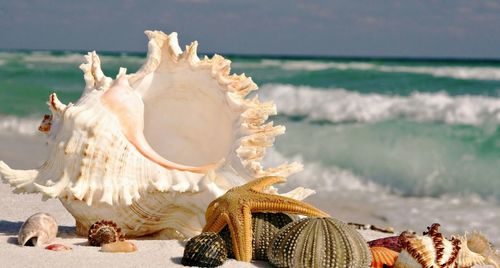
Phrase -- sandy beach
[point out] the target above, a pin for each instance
(29, 151)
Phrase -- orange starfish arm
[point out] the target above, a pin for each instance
(240, 227)
(272, 203)
(261, 183)
(216, 224)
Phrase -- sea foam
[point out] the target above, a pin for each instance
(339, 105)
(456, 72)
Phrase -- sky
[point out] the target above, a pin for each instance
(427, 28)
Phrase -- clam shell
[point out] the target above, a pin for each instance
(429, 250)
(38, 230)
(104, 232)
(119, 247)
(383, 257)
(264, 228)
(319, 242)
(149, 150)
(205, 250)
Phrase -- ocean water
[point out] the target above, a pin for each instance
(419, 138)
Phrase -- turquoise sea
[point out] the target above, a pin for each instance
(414, 136)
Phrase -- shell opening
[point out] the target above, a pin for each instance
(193, 114)
(31, 242)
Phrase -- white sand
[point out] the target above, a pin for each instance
(29, 152)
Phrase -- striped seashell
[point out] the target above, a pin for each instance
(383, 257)
(391, 242)
(319, 242)
(430, 250)
(205, 250)
(476, 250)
(104, 232)
(264, 228)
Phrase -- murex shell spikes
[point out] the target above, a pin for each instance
(108, 151)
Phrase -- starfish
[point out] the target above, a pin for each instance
(236, 206)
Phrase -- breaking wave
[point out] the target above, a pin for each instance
(340, 105)
(456, 72)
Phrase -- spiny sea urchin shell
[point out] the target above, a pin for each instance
(104, 232)
(319, 242)
(264, 228)
(205, 250)
(430, 250)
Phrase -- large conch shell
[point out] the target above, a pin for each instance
(109, 151)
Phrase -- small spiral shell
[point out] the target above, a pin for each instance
(104, 232)
(205, 250)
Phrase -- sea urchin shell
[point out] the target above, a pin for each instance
(319, 242)
(264, 228)
(104, 232)
(205, 250)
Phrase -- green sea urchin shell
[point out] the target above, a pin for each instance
(319, 242)
(205, 250)
(264, 228)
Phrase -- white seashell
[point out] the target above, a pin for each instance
(38, 230)
(475, 249)
(109, 151)
(430, 250)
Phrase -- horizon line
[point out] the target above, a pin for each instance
(278, 56)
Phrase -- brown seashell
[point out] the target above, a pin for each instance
(58, 247)
(391, 242)
(383, 257)
(104, 232)
(119, 246)
(205, 250)
(319, 242)
(430, 250)
(264, 228)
